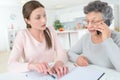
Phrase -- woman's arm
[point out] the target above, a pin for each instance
(113, 50)
(14, 64)
(75, 51)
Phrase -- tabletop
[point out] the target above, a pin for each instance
(109, 73)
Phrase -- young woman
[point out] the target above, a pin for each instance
(100, 46)
(37, 45)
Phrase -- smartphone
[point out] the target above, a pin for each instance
(107, 22)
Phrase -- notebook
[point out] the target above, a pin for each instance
(37, 76)
(77, 73)
(83, 73)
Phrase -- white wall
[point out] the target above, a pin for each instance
(116, 14)
(119, 14)
(69, 14)
(9, 15)
(3, 30)
(50, 17)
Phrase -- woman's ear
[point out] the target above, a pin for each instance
(27, 21)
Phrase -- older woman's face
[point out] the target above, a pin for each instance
(92, 19)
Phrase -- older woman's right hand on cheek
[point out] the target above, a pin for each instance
(39, 67)
(82, 61)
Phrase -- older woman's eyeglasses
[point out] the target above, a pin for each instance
(92, 22)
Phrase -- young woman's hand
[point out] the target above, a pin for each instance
(60, 69)
(82, 61)
(39, 67)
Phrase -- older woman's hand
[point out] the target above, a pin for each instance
(104, 29)
(82, 61)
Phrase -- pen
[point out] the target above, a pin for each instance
(101, 76)
(52, 75)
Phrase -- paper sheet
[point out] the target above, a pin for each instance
(83, 73)
(37, 76)
(77, 73)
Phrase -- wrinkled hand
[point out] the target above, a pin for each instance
(104, 29)
(39, 67)
(82, 61)
(59, 69)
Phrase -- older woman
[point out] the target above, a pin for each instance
(100, 46)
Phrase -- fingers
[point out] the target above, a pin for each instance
(101, 25)
(41, 67)
(65, 69)
(61, 70)
(44, 67)
(34, 66)
(104, 29)
(82, 61)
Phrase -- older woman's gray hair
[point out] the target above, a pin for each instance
(102, 7)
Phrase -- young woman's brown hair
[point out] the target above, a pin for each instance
(27, 10)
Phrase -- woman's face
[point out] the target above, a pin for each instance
(92, 19)
(38, 19)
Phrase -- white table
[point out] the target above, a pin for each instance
(109, 74)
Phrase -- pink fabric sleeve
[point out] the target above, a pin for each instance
(61, 54)
(14, 63)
